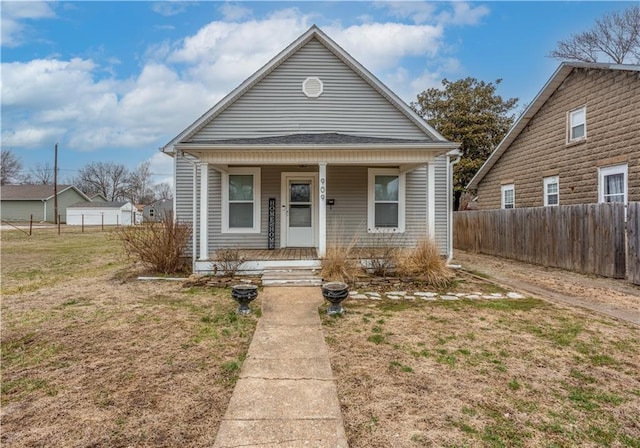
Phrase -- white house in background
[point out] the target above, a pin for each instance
(311, 150)
(101, 213)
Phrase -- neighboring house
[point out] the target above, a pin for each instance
(98, 197)
(311, 150)
(158, 210)
(20, 202)
(578, 142)
(101, 213)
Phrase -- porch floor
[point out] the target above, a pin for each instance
(289, 253)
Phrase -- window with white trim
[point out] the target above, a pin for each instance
(508, 193)
(551, 186)
(241, 200)
(386, 200)
(612, 184)
(577, 124)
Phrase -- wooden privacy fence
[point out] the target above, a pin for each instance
(588, 238)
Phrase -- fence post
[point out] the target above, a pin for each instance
(58, 224)
(102, 216)
(30, 224)
(83, 223)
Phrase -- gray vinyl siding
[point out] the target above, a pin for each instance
(441, 212)
(276, 105)
(65, 199)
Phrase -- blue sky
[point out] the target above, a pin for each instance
(113, 81)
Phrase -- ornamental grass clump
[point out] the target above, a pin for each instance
(339, 264)
(159, 245)
(425, 264)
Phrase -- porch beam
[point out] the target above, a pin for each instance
(204, 211)
(405, 168)
(322, 209)
(431, 200)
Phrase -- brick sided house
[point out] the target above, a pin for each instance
(577, 142)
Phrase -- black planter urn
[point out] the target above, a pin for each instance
(335, 293)
(244, 294)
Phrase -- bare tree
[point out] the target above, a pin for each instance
(614, 38)
(108, 178)
(139, 188)
(10, 166)
(41, 174)
(163, 191)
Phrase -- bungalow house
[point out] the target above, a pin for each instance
(578, 142)
(21, 202)
(309, 151)
(158, 210)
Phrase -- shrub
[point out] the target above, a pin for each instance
(425, 263)
(380, 256)
(228, 261)
(158, 244)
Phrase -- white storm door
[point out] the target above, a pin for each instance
(299, 211)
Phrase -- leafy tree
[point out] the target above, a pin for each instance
(10, 166)
(614, 38)
(469, 112)
(108, 178)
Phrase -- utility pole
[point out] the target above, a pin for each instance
(55, 184)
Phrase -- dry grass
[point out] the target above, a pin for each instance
(424, 262)
(505, 373)
(339, 262)
(98, 360)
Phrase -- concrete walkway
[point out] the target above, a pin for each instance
(286, 395)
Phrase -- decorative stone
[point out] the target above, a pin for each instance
(431, 298)
(353, 293)
(372, 294)
(409, 298)
(397, 293)
(358, 296)
(473, 296)
(497, 295)
(425, 294)
(392, 297)
(515, 295)
(449, 297)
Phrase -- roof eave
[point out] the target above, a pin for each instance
(320, 147)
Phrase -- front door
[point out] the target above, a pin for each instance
(298, 211)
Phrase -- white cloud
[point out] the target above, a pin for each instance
(419, 12)
(161, 167)
(82, 103)
(380, 46)
(464, 14)
(169, 8)
(234, 11)
(14, 15)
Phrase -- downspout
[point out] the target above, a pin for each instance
(450, 164)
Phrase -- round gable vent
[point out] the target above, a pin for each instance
(312, 87)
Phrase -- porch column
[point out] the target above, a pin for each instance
(322, 209)
(431, 199)
(204, 211)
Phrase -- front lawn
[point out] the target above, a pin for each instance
(491, 373)
(92, 357)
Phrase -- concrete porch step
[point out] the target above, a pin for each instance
(291, 276)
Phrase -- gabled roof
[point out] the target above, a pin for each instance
(327, 138)
(34, 192)
(313, 33)
(561, 73)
